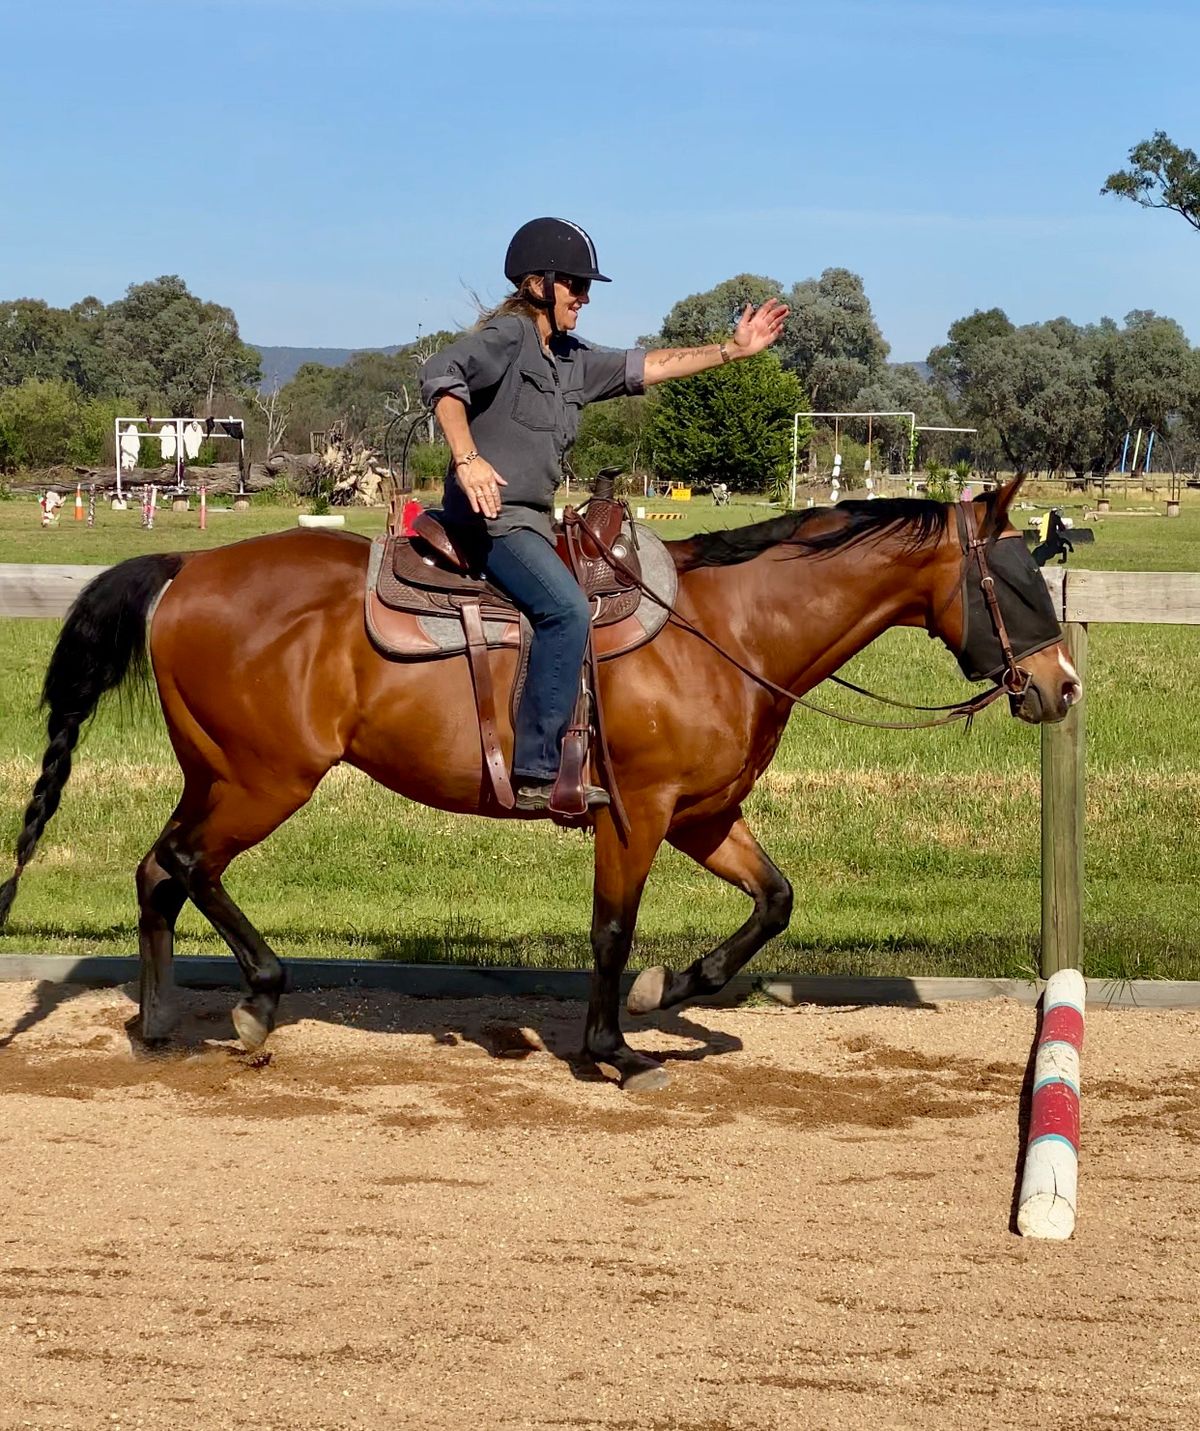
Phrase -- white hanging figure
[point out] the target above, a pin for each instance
(836, 490)
(130, 443)
(193, 436)
(166, 435)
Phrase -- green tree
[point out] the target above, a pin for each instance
(901, 389)
(612, 434)
(163, 344)
(1161, 176)
(731, 424)
(953, 363)
(706, 317)
(44, 421)
(831, 340)
(1038, 387)
(361, 389)
(309, 401)
(34, 341)
(1147, 369)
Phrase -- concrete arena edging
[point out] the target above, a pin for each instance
(460, 981)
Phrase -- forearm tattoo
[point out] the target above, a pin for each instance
(665, 356)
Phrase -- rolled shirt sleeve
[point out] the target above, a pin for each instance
(474, 363)
(612, 372)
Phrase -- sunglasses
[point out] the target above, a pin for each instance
(577, 287)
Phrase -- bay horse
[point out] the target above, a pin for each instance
(267, 679)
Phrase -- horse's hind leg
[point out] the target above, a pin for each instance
(727, 848)
(197, 852)
(160, 898)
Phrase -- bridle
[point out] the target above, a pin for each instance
(975, 549)
(1014, 682)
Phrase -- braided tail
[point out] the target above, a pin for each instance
(103, 640)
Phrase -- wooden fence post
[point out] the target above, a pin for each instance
(1063, 750)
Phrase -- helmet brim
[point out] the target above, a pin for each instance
(559, 273)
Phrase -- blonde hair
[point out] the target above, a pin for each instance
(525, 301)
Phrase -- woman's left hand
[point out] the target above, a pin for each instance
(759, 327)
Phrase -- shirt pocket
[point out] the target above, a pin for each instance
(536, 404)
(572, 407)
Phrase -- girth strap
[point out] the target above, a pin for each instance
(485, 702)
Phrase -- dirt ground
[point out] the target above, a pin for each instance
(385, 1224)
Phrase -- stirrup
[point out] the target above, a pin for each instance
(535, 795)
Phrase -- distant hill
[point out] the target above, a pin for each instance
(280, 365)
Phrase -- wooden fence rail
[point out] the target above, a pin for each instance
(1169, 598)
(1080, 598)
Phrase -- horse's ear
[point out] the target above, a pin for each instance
(997, 509)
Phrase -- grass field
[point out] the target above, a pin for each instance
(910, 852)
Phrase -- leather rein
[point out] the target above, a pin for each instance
(1013, 683)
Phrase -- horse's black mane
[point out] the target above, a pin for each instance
(859, 522)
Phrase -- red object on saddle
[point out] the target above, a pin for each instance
(409, 513)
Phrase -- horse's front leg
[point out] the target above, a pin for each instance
(621, 872)
(725, 846)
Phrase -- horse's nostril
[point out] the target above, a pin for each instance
(1071, 693)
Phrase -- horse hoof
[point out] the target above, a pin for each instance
(648, 990)
(252, 1028)
(647, 1080)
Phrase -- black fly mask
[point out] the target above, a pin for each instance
(1007, 611)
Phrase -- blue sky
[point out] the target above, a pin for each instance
(341, 172)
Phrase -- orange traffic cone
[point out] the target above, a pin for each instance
(79, 501)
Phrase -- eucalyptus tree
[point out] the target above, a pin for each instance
(705, 317)
(831, 340)
(165, 344)
(35, 341)
(1161, 175)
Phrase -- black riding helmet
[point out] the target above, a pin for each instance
(550, 247)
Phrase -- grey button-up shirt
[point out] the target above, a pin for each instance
(523, 406)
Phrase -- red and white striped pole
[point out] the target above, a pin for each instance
(1046, 1207)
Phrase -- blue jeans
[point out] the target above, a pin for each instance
(526, 566)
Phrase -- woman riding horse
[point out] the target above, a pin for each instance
(508, 397)
(268, 679)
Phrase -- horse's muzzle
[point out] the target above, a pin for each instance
(1040, 706)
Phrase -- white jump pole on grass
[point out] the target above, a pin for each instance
(1046, 1207)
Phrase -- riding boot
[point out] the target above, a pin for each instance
(533, 796)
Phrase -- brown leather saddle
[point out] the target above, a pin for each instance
(431, 572)
(426, 597)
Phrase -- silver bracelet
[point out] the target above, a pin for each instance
(724, 352)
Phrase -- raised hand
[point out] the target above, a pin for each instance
(759, 327)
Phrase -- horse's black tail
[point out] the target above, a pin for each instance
(102, 641)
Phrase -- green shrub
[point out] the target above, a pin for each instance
(943, 484)
(280, 493)
(427, 461)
